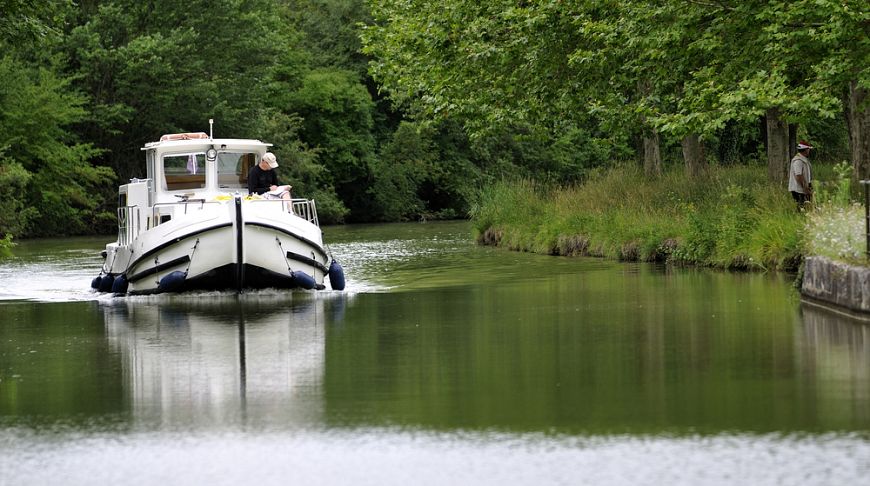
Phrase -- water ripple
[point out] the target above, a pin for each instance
(380, 457)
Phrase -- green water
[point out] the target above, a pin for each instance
(442, 360)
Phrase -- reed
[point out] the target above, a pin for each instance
(730, 218)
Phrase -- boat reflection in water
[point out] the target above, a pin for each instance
(223, 359)
(836, 350)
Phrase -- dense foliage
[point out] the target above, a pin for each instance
(664, 71)
(84, 85)
(732, 217)
(388, 110)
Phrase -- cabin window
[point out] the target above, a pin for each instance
(233, 168)
(184, 171)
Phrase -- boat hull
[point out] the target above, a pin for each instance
(233, 245)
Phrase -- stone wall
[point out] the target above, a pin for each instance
(841, 284)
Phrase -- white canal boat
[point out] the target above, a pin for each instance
(191, 225)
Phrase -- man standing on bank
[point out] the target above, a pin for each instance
(800, 175)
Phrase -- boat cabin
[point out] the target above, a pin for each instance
(199, 165)
(185, 172)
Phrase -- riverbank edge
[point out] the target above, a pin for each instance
(838, 284)
(578, 245)
(835, 285)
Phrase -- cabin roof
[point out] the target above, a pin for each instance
(198, 143)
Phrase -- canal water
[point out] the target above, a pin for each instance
(441, 363)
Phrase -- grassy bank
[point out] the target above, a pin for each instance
(730, 218)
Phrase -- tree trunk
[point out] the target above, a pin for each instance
(762, 130)
(858, 120)
(694, 155)
(652, 156)
(792, 140)
(777, 146)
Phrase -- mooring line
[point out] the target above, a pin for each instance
(189, 262)
(284, 255)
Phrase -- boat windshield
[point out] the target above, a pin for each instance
(184, 171)
(233, 168)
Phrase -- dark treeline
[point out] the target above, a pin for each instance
(84, 85)
(402, 110)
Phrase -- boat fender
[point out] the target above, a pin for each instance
(120, 285)
(106, 283)
(95, 283)
(303, 280)
(172, 281)
(336, 276)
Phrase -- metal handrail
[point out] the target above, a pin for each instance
(303, 208)
(306, 209)
(127, 231)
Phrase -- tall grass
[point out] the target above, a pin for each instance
(730, 218)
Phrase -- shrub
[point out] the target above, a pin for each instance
(15, 210)
(730, 218)
(6, 245)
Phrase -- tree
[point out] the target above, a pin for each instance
(330, 31)
(336, 113)
(161, 66)
(46, 178)
(785, 61)
(497, 65)
(299, 164)
(37, 147)
(688, 70)
(24, 23)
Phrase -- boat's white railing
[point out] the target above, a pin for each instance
(129, 224)
(304, 208)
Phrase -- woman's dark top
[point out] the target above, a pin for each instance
(260, 180)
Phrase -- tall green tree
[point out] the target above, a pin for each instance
(330, 32)
(562, 66)
(686, 69)
(162, 66)
(25, 23)
(788, 62)
(47, 181)
(336, 113)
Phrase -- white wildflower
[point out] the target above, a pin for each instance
(837, 232)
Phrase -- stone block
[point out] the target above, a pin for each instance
(837, 283)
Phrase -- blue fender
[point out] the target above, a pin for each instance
(336, 276)
(95, 283)
(120, 285)
(303, 280)
(106, 283)
(172, 281)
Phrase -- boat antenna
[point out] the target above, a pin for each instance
(211, 128)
